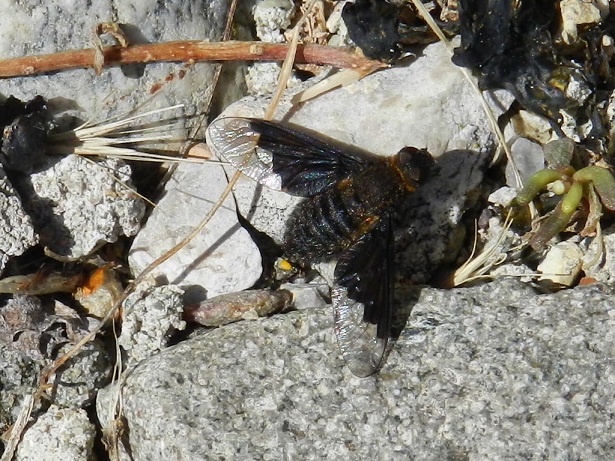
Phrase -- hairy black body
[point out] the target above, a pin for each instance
(350, 200)
(325, 225)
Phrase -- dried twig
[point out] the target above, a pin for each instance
(183, 51)
(18, 428)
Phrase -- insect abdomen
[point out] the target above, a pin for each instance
(326, 224)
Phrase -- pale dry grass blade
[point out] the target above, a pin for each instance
(478, 265)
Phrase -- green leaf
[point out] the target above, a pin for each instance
(537, 182)
(603, 181)
(559, 218)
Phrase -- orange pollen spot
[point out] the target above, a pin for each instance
(94, 281)
(284, 265)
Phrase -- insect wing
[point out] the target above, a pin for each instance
(362, 297)
(280, 157)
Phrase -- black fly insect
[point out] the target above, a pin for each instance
(346, 216)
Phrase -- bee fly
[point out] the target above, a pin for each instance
(347, 215)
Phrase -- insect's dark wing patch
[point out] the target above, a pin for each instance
(362, 300)
(278, 156)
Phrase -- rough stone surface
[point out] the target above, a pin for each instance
(18, 378)
(37, 27)
(222, 259)
(150, 316)
(605, 272)
(496, 372)
(16, 231)
(308, 295)
(576, 13)
(60, 434)
(76, 383)
(78, 205)
(272, 18)
(438, 112)
(492, 372)
(529, 158)
(32, 334)
(262, 78)
(561, 264)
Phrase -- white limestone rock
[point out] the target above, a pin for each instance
(222, 259)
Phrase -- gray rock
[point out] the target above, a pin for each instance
(78, 205)
(118, 90)
(262, 78)
(32, 333)
(604, 272)
(150, 317)
(18, 377)
(438, 113)
(492, 372)
(16, 231)
(529, 158)
(31, 327)
(272, 18)
(37, 27)
(222, 259)
(90, 369)
(503, 196)
(60, 434)
(308, 295)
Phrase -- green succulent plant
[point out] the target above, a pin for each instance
(592, 183)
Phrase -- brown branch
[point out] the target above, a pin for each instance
(185, 51)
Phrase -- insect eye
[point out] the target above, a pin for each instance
(416, 164)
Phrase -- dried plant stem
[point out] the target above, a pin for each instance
(18, 428)
(287, 66)
(183, 51)
(480, 264)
